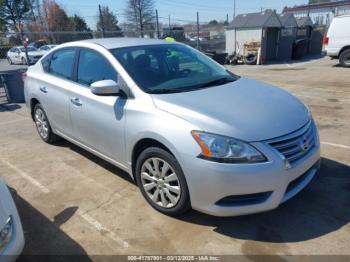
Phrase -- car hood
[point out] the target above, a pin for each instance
(245, 109)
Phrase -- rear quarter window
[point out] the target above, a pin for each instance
(62, 63)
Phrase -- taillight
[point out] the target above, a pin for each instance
(325, 40)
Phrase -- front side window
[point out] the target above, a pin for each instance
(62, 63)
(171, 68)
(94, 67)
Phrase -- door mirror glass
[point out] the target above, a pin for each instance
(105, 88)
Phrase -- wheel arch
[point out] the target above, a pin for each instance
(344, 49)
(33, 102)
(143, 144)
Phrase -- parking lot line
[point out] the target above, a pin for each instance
(100, 228)
(81, 213)
(336, 145)
(26, 176)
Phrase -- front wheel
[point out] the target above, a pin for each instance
(10, 61)
(162, 182)
(344, 58)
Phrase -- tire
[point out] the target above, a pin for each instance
(251, 59)
(10, 61)
(175, 204)
(344, 58)
(43, 125)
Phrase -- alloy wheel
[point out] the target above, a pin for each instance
(41, 123)
(160, 182)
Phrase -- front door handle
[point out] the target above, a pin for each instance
(43, 89)
(76, 101)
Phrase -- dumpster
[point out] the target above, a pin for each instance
(13, 84)
(300, 48)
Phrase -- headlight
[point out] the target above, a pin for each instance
(6, 234)
(226, 150)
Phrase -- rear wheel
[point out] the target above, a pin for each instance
(43, 125)
(162, 182)
(344, 58)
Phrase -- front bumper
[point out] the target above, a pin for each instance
(13, 246)
(209, 182)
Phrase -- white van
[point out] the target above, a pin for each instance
(337, 41)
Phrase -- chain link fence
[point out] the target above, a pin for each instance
(209, 42)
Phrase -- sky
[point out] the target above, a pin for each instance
(180, 11)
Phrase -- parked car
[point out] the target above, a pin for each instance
(46, 48)
(38, 44)
(189, 132)
(11, 233)
(337, 41)
(17, 55)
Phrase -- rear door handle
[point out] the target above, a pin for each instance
(43, 89)
(76, 101)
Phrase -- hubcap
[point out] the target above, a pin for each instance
(160, 182)
(41, 123)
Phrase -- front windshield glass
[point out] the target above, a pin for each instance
(171, 68)
(30, 49)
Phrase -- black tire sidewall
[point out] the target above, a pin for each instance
(51, 136)
(343, 56)
(184, 203)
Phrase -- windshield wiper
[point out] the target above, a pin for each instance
(217, 82)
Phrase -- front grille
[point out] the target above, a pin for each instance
(297, 145)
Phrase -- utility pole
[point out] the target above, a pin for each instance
(169, 21)
(234, 9)
(102, 22)
(234, 16)
(157, 21)
(227, 19)
(198, 30)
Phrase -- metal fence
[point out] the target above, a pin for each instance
(206, 42)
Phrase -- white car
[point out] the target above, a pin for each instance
(17, 55)
(11, 232)
(337, 41)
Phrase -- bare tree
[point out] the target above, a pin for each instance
(141, 14)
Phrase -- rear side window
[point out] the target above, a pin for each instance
(62, 63)
(94, 67)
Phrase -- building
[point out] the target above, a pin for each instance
(263, 28)
(321, 13)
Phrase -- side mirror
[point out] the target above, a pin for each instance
(105, 88)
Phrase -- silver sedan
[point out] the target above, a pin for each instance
(190, 133)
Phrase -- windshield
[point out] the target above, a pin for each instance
(171, 68)
(30, 49)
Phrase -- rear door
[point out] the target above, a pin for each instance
(98, 121)
(53, 88)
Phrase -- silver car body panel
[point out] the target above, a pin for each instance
(110, 127)
(8, 209)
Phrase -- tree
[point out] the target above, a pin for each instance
(213, 22)
(108, 23)
(13, 12)
(141, 14)
(80, 28)
(55, 22)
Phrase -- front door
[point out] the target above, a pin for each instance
(98, 121)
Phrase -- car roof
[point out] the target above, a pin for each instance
(119, 42)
